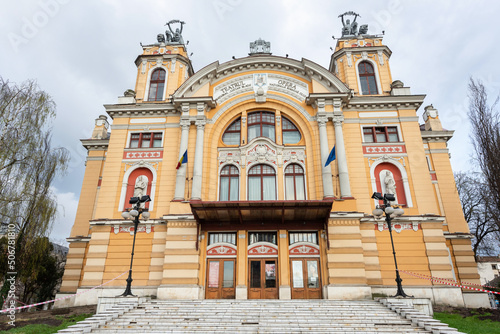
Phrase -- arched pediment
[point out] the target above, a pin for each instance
(271, 73)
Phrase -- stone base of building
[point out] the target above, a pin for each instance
(68, 302)
(241, 292)
(188, 291)
(442, 295)
(285, 292)
(476, 299)
(347, 292)
(91, 297)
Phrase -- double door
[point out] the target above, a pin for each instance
(263, 279)
(221, 279)
(305, 278)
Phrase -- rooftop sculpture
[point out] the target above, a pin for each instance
(351, 28)
(171, 36)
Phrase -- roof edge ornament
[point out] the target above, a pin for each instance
(351, 28)
(260, 47)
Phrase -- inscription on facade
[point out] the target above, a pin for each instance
(266, 82)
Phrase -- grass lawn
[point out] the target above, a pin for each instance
(470, 325)
(46, 329)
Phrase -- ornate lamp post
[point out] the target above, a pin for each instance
(134, 214)
(389, 210)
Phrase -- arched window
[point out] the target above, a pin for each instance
(157, 85)
(261, 183)
(367, 78)
(291, 135)
(261, 124)
(294, 183)
(232, 134)
(229, 184)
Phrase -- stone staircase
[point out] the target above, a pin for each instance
(259, 316)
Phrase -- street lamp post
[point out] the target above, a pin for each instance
(389, 210)
(134, 214)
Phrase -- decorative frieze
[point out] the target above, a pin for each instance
(147, 228)
(262, 151)
(143, 154)
(380, 149)
(398, 227)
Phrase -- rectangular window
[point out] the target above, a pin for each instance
(226, 237)
(145, 140)
(311, 237)
(380, 134)
(255, 237)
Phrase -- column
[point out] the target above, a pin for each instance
(325, 151)
(345, 187)
(198, 159)
(180, 183)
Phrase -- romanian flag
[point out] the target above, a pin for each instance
(183, 160)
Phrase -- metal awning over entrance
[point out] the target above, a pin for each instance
(218, 215)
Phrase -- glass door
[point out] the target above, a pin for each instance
(305, 278)
(220, 279)
(263, 279)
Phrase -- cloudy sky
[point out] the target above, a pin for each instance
(82, 53)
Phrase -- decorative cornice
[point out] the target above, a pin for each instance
(95, 144)
(436, 136)
(140, 109)
(358, 50)
(371, 102)
(181, 224)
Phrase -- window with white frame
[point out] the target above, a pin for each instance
(367, 78)
(229, 183)
(261, 183)
(294, 182)
(157, 85)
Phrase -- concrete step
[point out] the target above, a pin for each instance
(263, 316)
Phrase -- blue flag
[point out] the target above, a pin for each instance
(331, 157)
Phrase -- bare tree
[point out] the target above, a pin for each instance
(479, 212)
(485, 121)
(28, 166)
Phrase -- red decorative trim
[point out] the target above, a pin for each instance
(143, 155)
(262, 250)
(302, 249)
(221, 250)
(434, 177)
(379, 149)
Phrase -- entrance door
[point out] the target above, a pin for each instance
(263, 280)
(220, 279)
(305, 278)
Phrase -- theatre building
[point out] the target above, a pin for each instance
(262, 208)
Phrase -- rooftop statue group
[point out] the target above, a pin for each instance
(171, 36)
(351, 28)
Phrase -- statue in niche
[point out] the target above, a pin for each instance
(174, 36)
(141, 184)
(390, 184)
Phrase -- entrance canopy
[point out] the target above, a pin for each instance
(261, 215)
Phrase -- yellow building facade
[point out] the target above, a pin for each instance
(256, 211)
